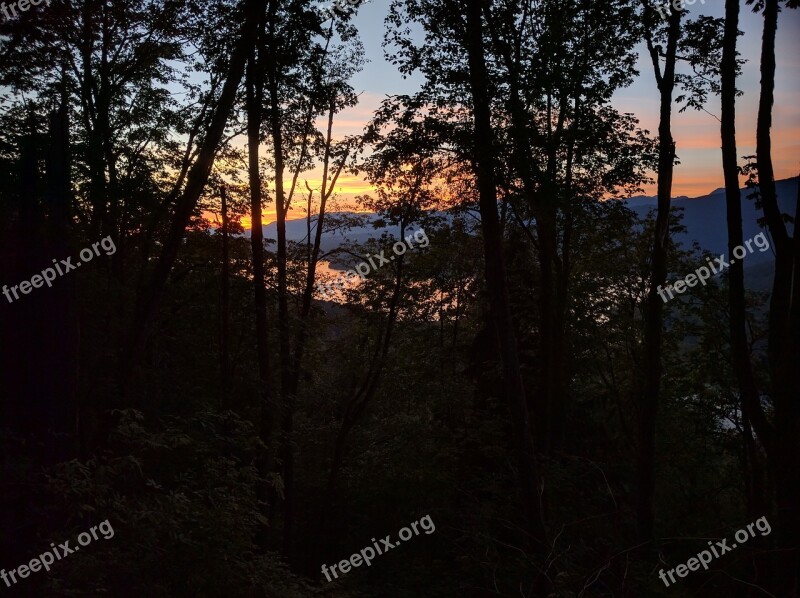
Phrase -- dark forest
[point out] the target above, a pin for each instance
(479, 342)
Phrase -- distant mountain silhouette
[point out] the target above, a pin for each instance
(706, 222)
(704, 217)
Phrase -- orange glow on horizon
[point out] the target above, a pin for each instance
(699, 172)
(697, 139)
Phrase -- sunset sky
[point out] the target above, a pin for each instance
(696, 133)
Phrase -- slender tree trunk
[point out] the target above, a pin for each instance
(97, 180)
(225, 315)
(496, 283)
(115, 229)
(62, 332)
(550, 341)
(313, 250)
(281, 209)
(105, 135)
(547, 235)
(563, 272)
(654, 314)
(784, 329)
(753, 416)
(748, 391)
(268, 408)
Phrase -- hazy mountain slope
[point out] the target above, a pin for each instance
(706, 222)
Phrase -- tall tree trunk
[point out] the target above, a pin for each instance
(268, 409)
(547, 237)
(550, 324)
(654, 314)
(753, 417)
(62, 331)
(107, 143)
(94, 157)
(784, 328)
(496, 283)
(748, 390)
(225, 308)
(547, 403)
(281, 209)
